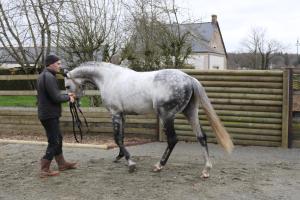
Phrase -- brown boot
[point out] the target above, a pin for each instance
(45, 169)
(64, 165)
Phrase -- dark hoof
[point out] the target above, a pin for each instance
(118, 158)
(132, 168)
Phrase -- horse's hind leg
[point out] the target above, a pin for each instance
(118, 125)
(171, 139)
(191, 113)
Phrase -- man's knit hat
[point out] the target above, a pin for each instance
(50, 59)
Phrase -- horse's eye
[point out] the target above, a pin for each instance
(68, 87)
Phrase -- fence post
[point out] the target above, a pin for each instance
(286, 106)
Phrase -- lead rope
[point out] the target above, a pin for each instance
(76, 119)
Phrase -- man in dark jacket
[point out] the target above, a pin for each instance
(49, 112)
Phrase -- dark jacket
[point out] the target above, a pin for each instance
(49, 95)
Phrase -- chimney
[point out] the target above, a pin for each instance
(214, 19)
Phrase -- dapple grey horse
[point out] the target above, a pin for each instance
(163, 92)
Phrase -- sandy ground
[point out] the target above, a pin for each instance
(260, 173)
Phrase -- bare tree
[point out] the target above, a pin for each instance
(261, 48)
(25, 30)
(86, 29)
(143, 27)
(156, 40)
(174, 41)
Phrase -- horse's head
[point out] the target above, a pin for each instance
(74, 85)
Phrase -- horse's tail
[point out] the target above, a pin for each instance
(222, 136)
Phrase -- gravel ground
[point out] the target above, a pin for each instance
(248, 173)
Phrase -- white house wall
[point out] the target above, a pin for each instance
(198, 61)
(207, 61)
(217, 62)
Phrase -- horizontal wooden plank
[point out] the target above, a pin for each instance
(34, 92)
(234, 72)
(18, 77)
(241, 84)
(237, 119)
(245, 131)
(265, 108)
(256, 143)
(236, 141)
(18, 93)
(241, 78)
(238, 136)
(88, 112)
(34, 120)
(236, 125)
(241, 113)
(234, 110)
(27, 128)
(264, 73)
(222, 95)
(146, 131)
(243, 90)
(22, 127)
(211, 91)
(246, 102)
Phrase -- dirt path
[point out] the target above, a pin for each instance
(249, 173)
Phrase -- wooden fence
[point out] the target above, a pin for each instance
(20, 120)
(253, 105)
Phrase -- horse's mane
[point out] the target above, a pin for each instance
(96, 64)
(91, 64)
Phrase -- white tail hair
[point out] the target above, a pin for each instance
(221, 134)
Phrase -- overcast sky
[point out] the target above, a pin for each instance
(280, 19)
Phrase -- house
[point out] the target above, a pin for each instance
(208, 48)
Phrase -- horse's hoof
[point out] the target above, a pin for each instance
(157, 167)
(117, 159)
(205, 174)
(131, 168)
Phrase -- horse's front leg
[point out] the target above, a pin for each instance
(118, 125)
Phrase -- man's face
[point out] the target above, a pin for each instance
(56, 66)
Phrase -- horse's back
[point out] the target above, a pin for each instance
(162, 91)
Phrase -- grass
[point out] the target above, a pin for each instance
(30, 101)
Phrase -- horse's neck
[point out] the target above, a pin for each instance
(98, 75)
(85, 73)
